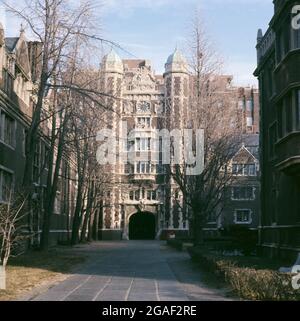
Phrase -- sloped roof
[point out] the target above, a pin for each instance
(134, 63)
(251, 139)
(11, 43)
(112, 57)
(176, 57)
(251, 143)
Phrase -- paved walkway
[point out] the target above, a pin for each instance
(133, 271)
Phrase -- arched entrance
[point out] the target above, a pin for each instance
(142, 226)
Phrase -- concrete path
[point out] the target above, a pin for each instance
(133, 271)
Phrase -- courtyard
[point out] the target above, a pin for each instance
(131, 271)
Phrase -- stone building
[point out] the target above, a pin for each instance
(278, 52)
(241, 203)
(143, 201)
(19, 71)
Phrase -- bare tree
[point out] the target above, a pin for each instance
(64, 30)
(211, 110)
(86, 121)
(11, 227)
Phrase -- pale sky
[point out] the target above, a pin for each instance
(151, 29)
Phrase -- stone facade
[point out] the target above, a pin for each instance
(19, 72)
(278, 52)
(241, 203)
(147, 102)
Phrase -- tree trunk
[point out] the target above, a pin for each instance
(52, 182)
(90, 227)
(85, 226)
(96, 225)
(77, 215)
(198, 229)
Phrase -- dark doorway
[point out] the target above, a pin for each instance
(142, 226)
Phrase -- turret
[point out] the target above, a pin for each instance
(176, 88)
(112, 63)
(259, 35)
(176, 63)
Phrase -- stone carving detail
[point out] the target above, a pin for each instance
(142, 81)
(159, 107)
(144, 107)
(128, 107)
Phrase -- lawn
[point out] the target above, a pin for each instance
(37, 268)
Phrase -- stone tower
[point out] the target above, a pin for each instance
(113, 72)
(176, 79)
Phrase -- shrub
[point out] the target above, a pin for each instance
(247, 282)
(177, 244)
(243, 238)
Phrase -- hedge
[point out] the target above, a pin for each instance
(175, 243)
(247, 282)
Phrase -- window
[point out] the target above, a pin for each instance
(241, 104)
(6, 185)
(143, 122)
(237, 169)
(7, 129)
(143, 144)
(24, 136)
(45, 156)
(128, 168)
(279, 46)
(244, 169)
(36, 163)
(154, 195)
(131, 195)
(137, 195)
(7, 83)
(249, 170)
(143, 168)
(270, 79)
(296, 39)
(249, 105)
(272, 140)
(129, 145)
(283, 41)
(243, 216)
(289, 113)
(280, 117)
(298, 109)
(243, 193)
(149, 195)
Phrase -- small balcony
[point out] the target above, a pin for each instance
(288, 154)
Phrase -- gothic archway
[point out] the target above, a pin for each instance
(142, 226)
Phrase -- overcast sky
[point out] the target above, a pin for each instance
(151, 29)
